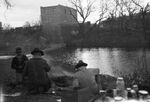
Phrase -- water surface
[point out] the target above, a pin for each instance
(109, 61)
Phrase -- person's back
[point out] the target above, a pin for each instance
(18, 63)
(37, 70)
(86, 79)
(85, 82)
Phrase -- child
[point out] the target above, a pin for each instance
(18, 64)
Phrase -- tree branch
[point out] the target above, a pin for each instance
(137, 3)
(7, 3)
(74, 17)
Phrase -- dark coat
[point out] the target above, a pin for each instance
(36, 72)
(18, 63)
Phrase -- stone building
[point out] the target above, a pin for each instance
(53, 18)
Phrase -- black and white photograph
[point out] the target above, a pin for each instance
(74, 50)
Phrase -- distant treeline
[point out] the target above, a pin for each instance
(25, 37)
(125, 31)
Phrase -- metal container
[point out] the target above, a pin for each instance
(118, 99)
(120, 85)
(143, 95)
(129, 94)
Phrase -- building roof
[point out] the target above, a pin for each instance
(58, 6)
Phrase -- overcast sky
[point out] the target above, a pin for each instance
(28, 10)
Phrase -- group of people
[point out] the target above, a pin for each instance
(33, 72)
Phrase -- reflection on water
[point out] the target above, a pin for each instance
(109, 61)
(96, 58)
(5, 57)
(8, 57)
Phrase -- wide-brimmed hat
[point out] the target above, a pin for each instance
(80, 64)
(37, 50)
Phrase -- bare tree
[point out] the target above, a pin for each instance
(84, 11)
(7, 27)
(122, 9)
(37, 23)
(144, 10)
(7, 3)
(117, 10)
(103, 10)
(27, 25)
(112, 12)
(131, 8)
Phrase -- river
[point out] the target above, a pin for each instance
(114, 61)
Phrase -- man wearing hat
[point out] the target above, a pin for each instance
(84, 76)
(80, 64)
(18, 64)
(36, 73)
(85, 80)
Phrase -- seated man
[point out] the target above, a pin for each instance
(84, 81)
(84, 78)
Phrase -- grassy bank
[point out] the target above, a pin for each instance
(110, 40)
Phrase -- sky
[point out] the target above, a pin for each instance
(23, 11)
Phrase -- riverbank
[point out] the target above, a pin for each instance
(54, 46)
(110, 42)
(4, 51)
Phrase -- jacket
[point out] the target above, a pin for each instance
(36, 72)
(18, 63)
